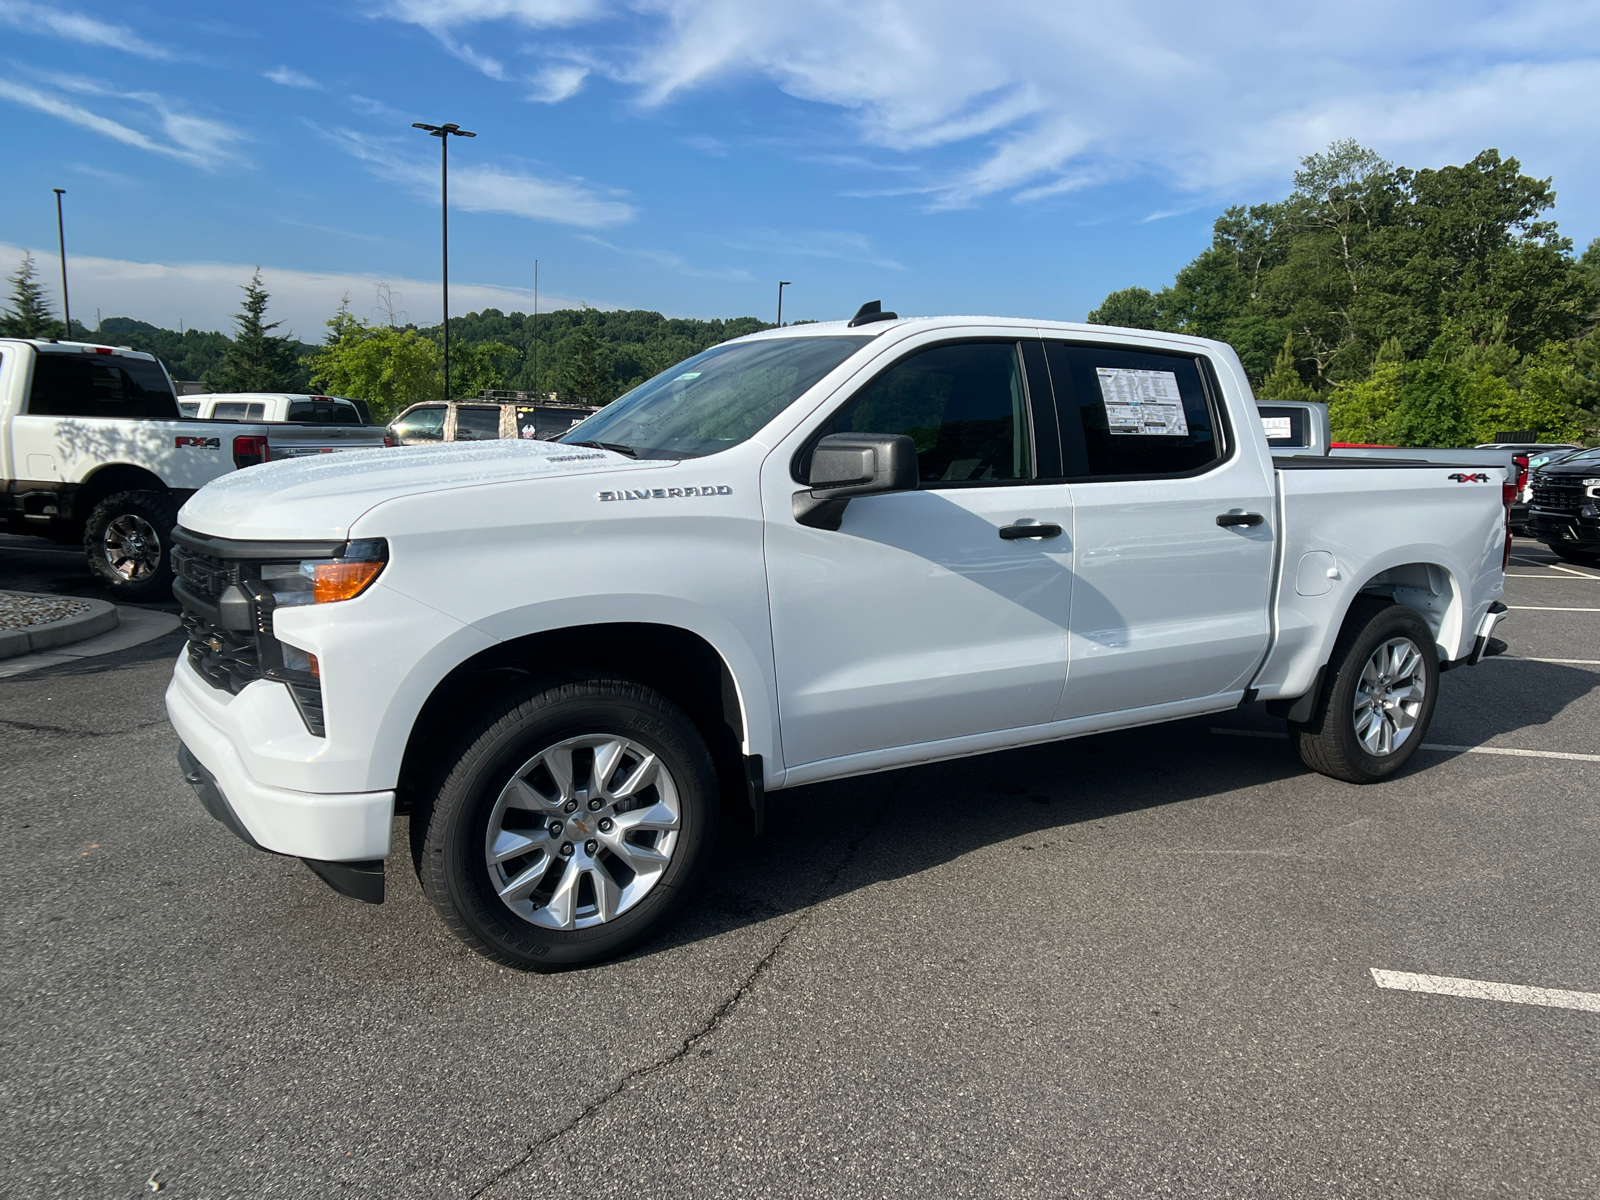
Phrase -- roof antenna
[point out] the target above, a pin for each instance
(869, 312)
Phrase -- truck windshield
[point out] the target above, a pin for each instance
(716, 399)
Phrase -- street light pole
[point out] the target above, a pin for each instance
(444, 133)
(782, 283)
(61, 234)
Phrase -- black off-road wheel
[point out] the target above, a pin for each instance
(128, 543)
(1378, 695)
(576, 818)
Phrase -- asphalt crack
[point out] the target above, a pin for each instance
(31, 727)
(713, 1022)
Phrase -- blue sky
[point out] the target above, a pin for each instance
(1011, 157)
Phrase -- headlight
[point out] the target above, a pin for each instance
(324, 580)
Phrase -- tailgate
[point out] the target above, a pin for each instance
(298, 441)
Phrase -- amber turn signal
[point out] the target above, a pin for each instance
(341, 580)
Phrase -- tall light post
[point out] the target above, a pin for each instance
(61, 234)
(782, 283)
(444, 133)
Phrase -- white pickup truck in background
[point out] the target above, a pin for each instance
(810, 553)
(93, 450)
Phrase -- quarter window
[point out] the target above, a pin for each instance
(477, 424)
(1131, 412)
(100, 385)
(965, 406)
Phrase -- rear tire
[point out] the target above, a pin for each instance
(576, 818)
(128, 542)
(1378, 695)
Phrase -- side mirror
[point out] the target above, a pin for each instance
(845, 465)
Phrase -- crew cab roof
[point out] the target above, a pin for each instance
(53, 346)
(1024, 325)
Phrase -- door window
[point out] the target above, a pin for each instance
(479, 423)
(1131, 412)
(422, 424)
(324, 412)
(85, 385)
(965, 406)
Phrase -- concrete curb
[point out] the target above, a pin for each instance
(31, 639)
(135, 627)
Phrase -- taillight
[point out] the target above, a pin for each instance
(387, 440)
(1508, 494)
(249, 450)
(1522, 470)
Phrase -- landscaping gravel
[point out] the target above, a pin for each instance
(18, 611)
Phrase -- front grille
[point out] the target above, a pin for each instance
(230, 660)
(1553, 494)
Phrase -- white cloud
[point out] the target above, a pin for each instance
(671, 261)
(557, 83)
(75, 27)
(206, 295)
(490, 188)
(1035, 98)
(198, 141)
(289, 77)
(821, 243)
(442, 17)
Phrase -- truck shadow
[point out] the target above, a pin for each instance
(828, 840)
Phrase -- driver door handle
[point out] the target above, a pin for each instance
(1012, 532)
(1239, 518)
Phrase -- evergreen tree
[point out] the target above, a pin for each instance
(1284, 383)
(257, 361)
(27, 315)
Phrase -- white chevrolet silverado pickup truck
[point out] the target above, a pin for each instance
(94, 451)
(805, 554)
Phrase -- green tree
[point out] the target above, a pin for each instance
(475, 366)
(1284, 383)
(256, 361)
(1542, 399)
(1130, 308)
(583, 368)
(1363, 412)
(27, 315)
(387, 367)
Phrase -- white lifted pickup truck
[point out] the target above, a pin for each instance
(94, 450)
(805, 554)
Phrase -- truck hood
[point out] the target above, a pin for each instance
(319, 498)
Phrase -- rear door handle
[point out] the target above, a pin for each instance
(1239, 518)
(1012, 532)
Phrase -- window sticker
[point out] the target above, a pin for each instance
(1278, 427)
(1142, 402)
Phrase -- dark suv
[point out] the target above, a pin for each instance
(1564, 512)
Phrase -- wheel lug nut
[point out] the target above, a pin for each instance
(591, 846)
(605, 824)
(566, 849)
(594, 805)
(570, 806)
(555, 828)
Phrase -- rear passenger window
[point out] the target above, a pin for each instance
(477, 424)
(963, 404)
(67, 384)
(1131, 412)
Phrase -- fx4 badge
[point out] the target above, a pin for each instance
(1476, 477)
(720, 489)
(203, 443)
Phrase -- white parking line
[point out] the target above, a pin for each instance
(1556, 578)
(1547, 608)
(1480, 989)
(1572, 571)
(1569, 662)
(1437, 746)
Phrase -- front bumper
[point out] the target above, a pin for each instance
(336, 827)
(1569, 530)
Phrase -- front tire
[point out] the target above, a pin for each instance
(128, 542)
(574, 822)
(1379, 694)
(1585, 558)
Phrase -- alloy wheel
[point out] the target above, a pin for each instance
(1389, 697)
(582, 832)
(132, 546)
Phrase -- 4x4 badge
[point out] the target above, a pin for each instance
(1476, 477)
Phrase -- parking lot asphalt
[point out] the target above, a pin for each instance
(1134, 965)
